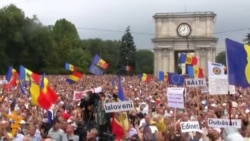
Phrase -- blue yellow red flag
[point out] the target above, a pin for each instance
(238, 63)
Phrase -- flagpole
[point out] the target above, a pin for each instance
(228, 95)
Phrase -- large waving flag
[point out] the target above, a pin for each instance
(175, 79)
(238, 63)
(97, 60)
(95, 70)
(42, 95)
(28, 75)
(70, 67)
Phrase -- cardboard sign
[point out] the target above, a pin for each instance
(119, 106)
(195, 82)
(218, 85)
(189, 126)
(223, 123)
(175, 97)
(78, 95)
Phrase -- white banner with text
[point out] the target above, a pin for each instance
(189, 126)
(175, 97)
(119, 106)
(223, 123)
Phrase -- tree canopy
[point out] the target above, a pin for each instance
(45, 49)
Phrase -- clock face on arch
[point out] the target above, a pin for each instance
(184, 30)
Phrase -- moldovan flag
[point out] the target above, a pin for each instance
(144, 77)
(97, 60)
(28, 75)
(238, 63)
(70, 67)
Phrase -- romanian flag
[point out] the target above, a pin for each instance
(144, 77)
(238, 63)
(42, 95)
(28, 75)
(188, 59)
(70, 67)
(97, 60)
(74, 77)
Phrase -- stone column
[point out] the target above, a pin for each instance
(203, 60)
(155, 61)
(165, 62)
(171, 61)
(159, 60)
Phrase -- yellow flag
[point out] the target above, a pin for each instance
(34, 92)
(188, 59)
(196, 71)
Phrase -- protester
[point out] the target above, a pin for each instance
(72, 119)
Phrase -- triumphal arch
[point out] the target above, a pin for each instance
(183, 32)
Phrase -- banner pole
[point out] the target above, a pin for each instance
(198, 104)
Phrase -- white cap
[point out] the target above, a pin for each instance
(22, 122)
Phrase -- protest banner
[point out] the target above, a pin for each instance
(77, 95)
(118, 106)
(175, 97)
(223, 123)
(189, 126)
(218, 85)
(195, 82)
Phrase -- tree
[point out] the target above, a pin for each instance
(127, 51)
(66, 38)
(12, 19)
(145, 61)
(221, 58)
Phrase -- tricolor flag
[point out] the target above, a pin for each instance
(97, 60)
(238, 63)
(28, 75)
(74, 77)
(70, 67)
(144, 77)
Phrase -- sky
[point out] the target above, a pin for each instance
(108, 19)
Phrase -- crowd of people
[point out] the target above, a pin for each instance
(151, 119)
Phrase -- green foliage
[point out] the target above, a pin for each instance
(221, 58)
(145, 61)
(127, 51)
(45, 49)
